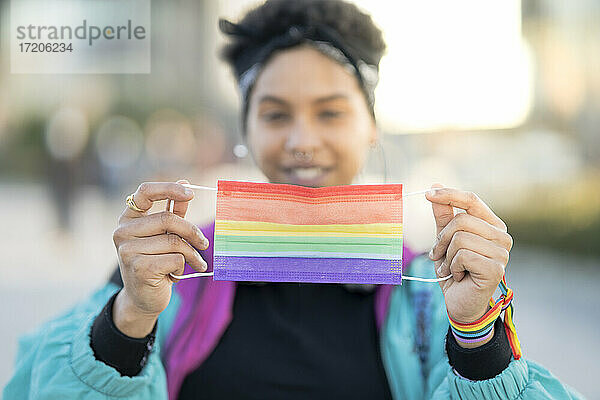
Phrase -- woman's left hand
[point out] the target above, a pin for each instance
(473, 246)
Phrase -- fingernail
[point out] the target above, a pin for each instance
(188, 192)
(439, 271)
(431, 253)
(201, 260)
(206, 243)
(431, 192)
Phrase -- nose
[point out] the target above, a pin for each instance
(302, 138)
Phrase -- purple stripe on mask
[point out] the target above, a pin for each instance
(314, 270)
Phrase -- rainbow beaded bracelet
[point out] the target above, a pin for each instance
(481, 329)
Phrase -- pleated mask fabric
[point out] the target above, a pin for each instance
(285, 233)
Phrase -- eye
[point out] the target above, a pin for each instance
(276, 116)
(330, 114)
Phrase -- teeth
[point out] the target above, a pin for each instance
(307, 173)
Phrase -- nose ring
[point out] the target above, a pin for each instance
(303, 155)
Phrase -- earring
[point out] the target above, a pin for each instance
(240, 150)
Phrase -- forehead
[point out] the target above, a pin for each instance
(303, 73)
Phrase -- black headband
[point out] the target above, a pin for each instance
(322, 37)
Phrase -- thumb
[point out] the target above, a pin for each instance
(443, 213)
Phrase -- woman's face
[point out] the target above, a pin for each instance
(308, 122)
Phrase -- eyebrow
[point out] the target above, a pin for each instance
(325, 99)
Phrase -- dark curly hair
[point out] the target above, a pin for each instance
(263, 29)
(274, 17)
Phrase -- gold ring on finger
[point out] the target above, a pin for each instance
(131, 204)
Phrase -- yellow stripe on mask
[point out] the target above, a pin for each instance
(253, 228)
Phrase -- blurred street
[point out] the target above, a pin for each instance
(43, 274)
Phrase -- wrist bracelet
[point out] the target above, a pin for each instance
(481, 329)
(461, 338)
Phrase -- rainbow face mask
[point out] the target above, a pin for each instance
(284, 233)
(341, 234)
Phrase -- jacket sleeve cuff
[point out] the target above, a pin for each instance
(125, 354)
(508, 385)
(102, 378)
(483, 362)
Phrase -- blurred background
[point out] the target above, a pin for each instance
(498, 97)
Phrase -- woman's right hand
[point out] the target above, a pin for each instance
(149, 247)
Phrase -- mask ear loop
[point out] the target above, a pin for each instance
(192, 275)
(206, 274)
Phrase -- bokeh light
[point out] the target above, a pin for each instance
(67, 133)
(119, 142)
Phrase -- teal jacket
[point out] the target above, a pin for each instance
(57, 362)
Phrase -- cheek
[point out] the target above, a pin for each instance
(352, 151)
(350, 158)
(265, 148)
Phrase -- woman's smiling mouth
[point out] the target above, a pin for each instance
(307, 175)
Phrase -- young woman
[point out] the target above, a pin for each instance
(306, 72)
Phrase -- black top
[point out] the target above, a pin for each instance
(294, 341)
(290, 340)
